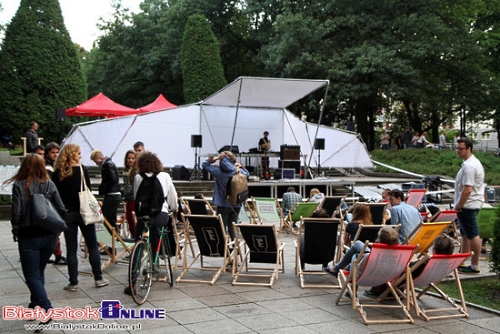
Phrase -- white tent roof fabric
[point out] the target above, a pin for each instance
(262, 108)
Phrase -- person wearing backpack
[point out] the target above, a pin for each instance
(155, 196)
(223, 173)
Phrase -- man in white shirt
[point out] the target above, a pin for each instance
(469, 198)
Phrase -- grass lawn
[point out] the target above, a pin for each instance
(481, 291)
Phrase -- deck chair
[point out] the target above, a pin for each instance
(485, 222)
(267, 210)
(370, 232)
(301, 210)
(260, 245)
(113, 247)
(437, 268)
(415, 197)
(378, 212)
(200, 207)
(332, 204)
(424, 234)
(247, 214)
(448, 216)
(212, 243)
(383, 264)
(181, 241)
(317, 244)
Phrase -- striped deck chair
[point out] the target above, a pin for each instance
(382, 265)
(436, 268)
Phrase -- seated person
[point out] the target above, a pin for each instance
(316, 196)
(386, 235)
(289, 200)
(360, 215)
(201, 196)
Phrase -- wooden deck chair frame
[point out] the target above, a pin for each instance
(378, 212)
(415, 196)
(384, 264)
(425, 234)
(260, 245)
(370, 232)
(212, 242)
(247, 214)
(200, 207)
(322, 244)
(180, 239)
(109, 242)
(438, 267)
(267, 209)
(448, 216)
(332, 204)
(299, 211)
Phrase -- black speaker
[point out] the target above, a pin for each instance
(196, 141)
(181, 173)
(319, 144)
(295, 164)
(350, 126)
(289, 152)
(60, 114)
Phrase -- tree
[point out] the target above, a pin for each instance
(39, 70)
(201, 63)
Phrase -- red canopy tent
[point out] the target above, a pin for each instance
(100, 105)
(159, 104)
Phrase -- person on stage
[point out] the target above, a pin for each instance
(265, 146)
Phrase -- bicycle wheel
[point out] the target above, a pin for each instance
(165, 272)
(140, 269)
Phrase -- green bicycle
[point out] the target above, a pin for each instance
(143, 268)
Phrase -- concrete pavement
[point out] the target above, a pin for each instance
(221, 308)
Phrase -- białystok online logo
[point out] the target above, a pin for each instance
(110, 309)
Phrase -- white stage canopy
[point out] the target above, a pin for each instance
(221, 121)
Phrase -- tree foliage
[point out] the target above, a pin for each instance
(39, 70)
(201, 63)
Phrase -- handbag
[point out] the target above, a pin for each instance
(90, 210)
(43, 213)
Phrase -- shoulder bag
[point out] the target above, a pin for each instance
(89, 207)
(43, 213)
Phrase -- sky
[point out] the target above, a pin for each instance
(80, 16)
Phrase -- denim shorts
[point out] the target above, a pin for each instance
(467, 218)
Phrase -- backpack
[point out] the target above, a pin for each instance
(149, 198)
(237, 188)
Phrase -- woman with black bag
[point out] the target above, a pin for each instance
(36, 244)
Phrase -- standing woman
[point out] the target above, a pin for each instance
(128, 190)
(68, 178)
(36, 244)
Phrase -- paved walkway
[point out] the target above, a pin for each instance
(221, 308)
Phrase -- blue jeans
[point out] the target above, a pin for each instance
(110, 205)
(351, 255)
(74, 220)
(229, 215)
(35, 254)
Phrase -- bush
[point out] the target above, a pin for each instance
(495, 248)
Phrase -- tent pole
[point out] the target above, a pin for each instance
(323, 102)
(236, 114)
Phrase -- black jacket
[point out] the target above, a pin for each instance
(20, 210)
(110, 180)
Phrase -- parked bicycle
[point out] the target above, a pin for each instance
(147, 267)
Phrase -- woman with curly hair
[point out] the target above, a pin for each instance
(147, 165)
(68, 179)
(35, 244)
(128, 191)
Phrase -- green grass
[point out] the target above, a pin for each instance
(480, 291)
(16, 151)
(435, 162)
